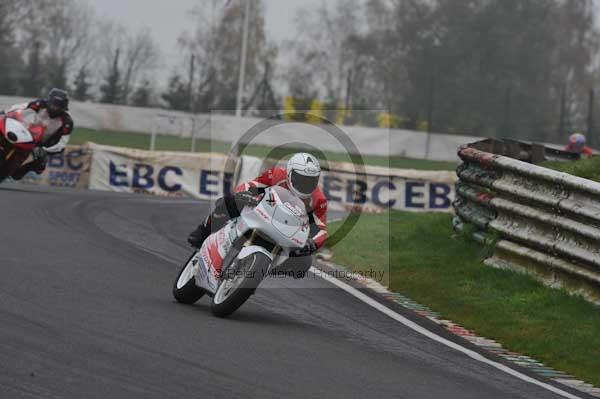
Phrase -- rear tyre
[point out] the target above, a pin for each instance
(233, 292)
(185, 289)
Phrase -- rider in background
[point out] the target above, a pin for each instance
(577, 145)
(301, 177)
(50, 113)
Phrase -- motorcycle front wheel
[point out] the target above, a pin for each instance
(185, 289)
(8, 166)
(238, 285)
(3, 167)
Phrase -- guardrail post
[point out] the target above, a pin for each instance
(153, 138)
(193, 134)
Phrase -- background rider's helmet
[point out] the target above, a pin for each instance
(303, 171)
(577, 141)
(57, 102)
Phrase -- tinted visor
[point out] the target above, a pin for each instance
(57, 105)
(53, 109)
(304, 184)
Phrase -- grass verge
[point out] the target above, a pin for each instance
(430, 266)
(586, 168)
(173, 143)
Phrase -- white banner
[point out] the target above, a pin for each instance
(374, 188)
(173, 174)
(379, 189)
(250, 168)
(206, 176)
(69, 168)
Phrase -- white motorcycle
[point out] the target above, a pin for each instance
(232, 262)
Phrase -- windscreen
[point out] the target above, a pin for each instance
(288, 197)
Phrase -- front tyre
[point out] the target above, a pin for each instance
(185, 289)
(235, 289)
(3, 167)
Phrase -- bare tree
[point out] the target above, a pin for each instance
(216, 44)
(322, 45)
(12, 63)
(494, 67)
(573, 58)
(111, 89)
(138, 54)
(202, 46)
(61, 30)
(142, 54)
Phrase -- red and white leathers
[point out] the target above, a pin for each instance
(584, 151)
(56, 130)
(316, 205)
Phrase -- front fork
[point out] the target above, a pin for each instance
(233, 265)
(250, 241)
(7, 151)
(10, 154)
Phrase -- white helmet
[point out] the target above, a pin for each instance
(303, 171)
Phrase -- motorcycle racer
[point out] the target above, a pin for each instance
(301, 177)
(51, 114)
(577, 144)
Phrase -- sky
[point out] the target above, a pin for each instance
(167, 19)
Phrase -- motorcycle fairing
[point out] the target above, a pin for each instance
(280, 216)
(211, 255)
(39, 123)
(22, 134)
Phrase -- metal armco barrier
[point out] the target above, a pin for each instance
(540, 221)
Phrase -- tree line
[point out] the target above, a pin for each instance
(63, 43)
(521, 68)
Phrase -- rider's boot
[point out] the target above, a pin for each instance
(40, 159)
(23, 170)
(213, 222)
(226, 208)
(197, 237)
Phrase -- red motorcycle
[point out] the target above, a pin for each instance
(17, 141)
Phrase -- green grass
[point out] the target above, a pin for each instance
(172, 143)
(586, 168)
(427, 264)
(142, 141)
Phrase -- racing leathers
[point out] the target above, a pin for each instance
(57, 131)
(230, 206)
(584, 151)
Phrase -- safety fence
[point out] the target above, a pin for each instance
(223, 128)
(537, 220)
(207, 176)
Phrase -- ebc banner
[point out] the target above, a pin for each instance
(172, 174)
(378, 189)
(69, 168)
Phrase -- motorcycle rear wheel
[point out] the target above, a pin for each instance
(234, 292)
(185, 289)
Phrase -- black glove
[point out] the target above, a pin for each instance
(245, 198)
(309, 248)
(40, 155)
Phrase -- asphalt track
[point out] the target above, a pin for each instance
(86, 312)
